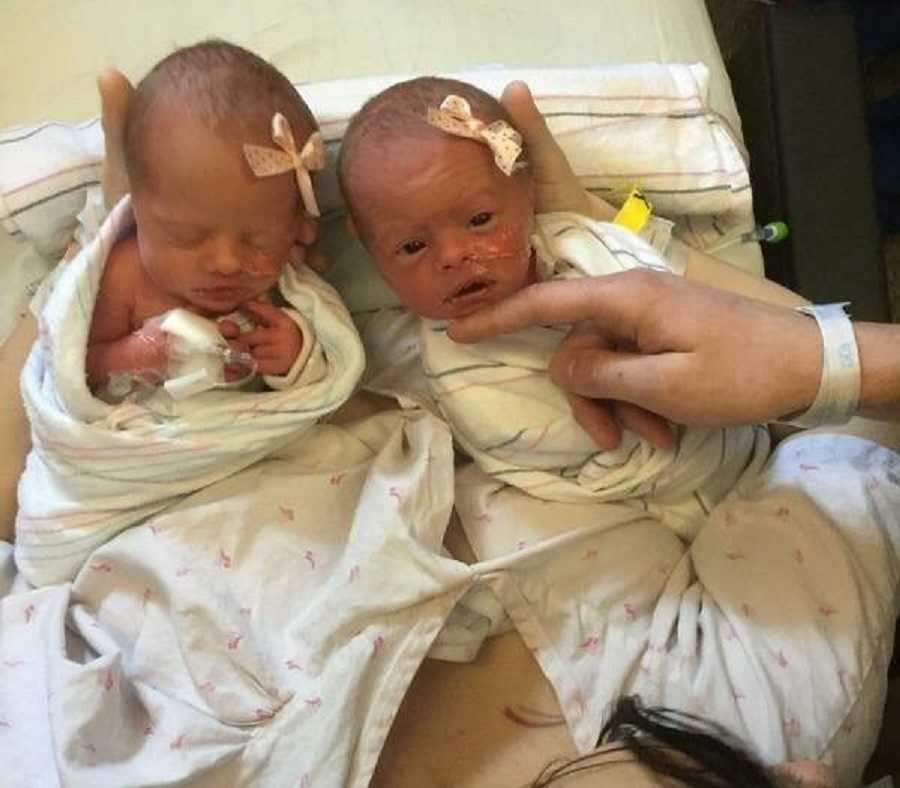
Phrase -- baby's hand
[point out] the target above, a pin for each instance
(149, 351)
(138, 358)
(274, 343)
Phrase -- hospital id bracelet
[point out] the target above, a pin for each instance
(838, 396)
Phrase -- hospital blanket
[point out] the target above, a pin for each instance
(96, 469)
(518, 426)
(776, 621)
(261, 632)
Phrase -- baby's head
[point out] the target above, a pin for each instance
(208, 229)
(446, 227)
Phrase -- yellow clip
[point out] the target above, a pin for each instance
(635, 212)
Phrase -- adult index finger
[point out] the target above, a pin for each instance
(614, 301)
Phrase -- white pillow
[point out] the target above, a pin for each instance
(644, 125)
(45, 171)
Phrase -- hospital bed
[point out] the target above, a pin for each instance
(791, 118)
(803, 126)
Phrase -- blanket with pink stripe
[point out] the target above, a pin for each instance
(96, 469)
(518, 426)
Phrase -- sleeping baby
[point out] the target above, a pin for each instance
(215, 218)
(186, 293)
(440, 196)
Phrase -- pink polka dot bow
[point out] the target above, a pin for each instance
(455, 117)
(269, 161)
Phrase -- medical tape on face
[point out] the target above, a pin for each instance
(838, 396)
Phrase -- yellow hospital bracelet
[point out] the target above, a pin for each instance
(635, 212)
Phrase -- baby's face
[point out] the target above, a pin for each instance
(208, 230)
(447, 229)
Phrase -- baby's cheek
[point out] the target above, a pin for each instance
(266, 265)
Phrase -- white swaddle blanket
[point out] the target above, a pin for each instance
(96, 469)
(518, 426)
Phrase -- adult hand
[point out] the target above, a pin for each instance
(115, 96)
(680, 349)
(557, 189)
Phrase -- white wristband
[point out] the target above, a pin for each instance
(838, 395)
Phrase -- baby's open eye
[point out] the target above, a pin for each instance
(480, 218)
(411, 247)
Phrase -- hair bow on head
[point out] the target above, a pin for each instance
(268, 161)
(455, 117)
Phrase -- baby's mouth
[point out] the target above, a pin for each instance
(470, 288)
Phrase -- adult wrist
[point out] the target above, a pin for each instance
(838, 394)
(600, 209)
(879, 352)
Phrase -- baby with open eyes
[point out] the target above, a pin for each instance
(440, 195)
(218, 147)
(448, 227)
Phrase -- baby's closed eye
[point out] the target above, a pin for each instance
(185, 236)
(265, 241)
(480, 219)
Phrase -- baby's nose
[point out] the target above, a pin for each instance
(455, 250)
(224, 258)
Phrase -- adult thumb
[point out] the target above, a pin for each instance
(115, 96)
(557, 188)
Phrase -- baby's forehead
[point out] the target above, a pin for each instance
(404, 157)
(224, 92)
(253, 125)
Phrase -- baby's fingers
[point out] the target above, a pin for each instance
(266, 315)
(229, 329)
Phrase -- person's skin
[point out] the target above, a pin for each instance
(452, 728)
(115, 95)
(210, 237)
(645, 338)
(115, 92)
(16, 441)
(449, 232)
(457, 724)
(446, 228)
(649, 314)
(761, 363)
